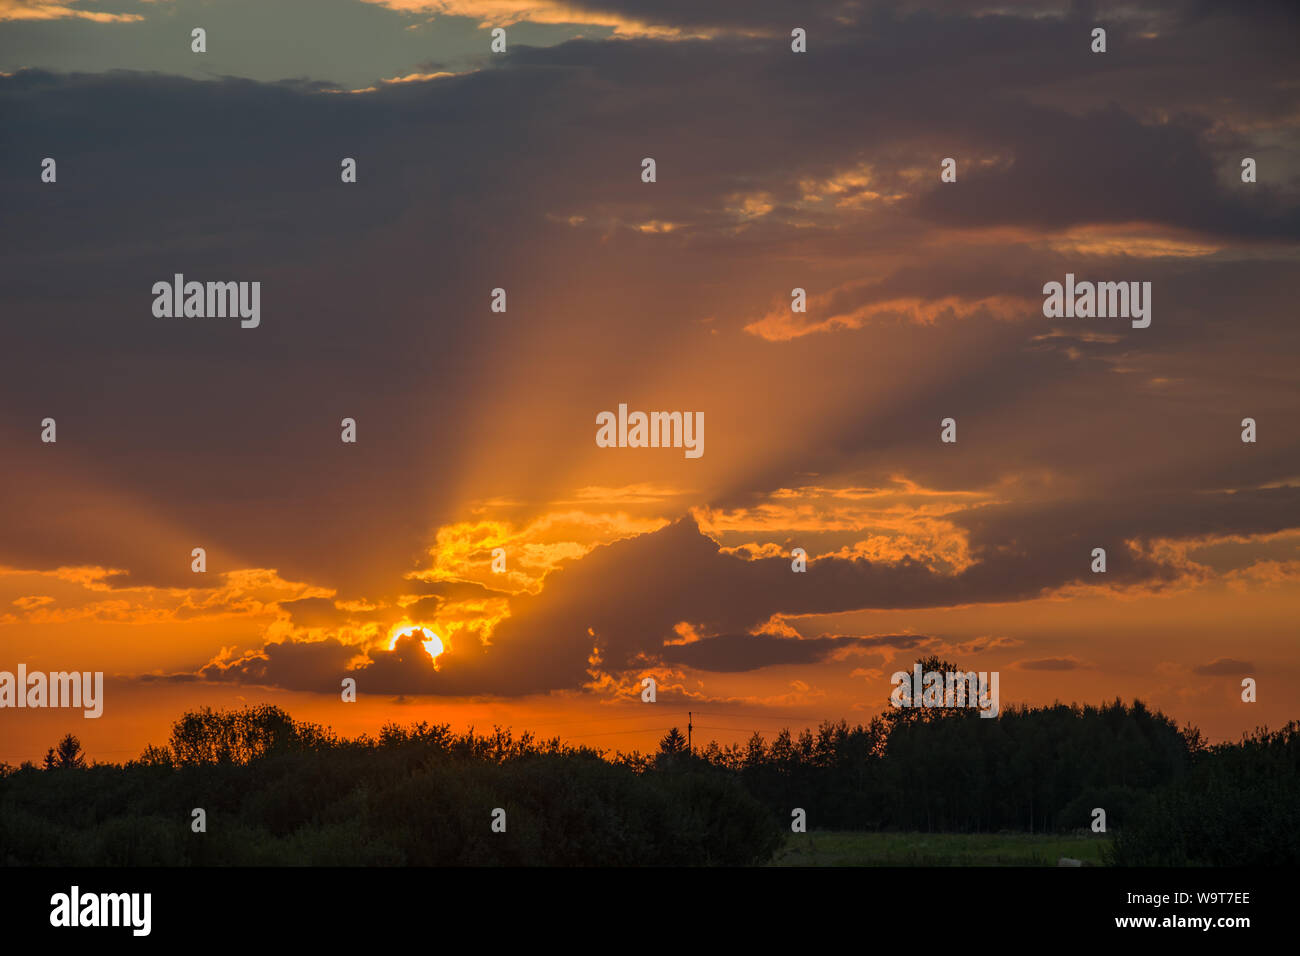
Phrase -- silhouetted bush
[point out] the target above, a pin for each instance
(279, 792)
(954, 771)
(1238, 806)
(276, 791)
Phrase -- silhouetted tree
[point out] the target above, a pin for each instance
(298, 795)
(673, 742)
(413, 798)
(239, 736)
(66, 755)
(897, 716)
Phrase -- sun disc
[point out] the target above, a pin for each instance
(431, 641)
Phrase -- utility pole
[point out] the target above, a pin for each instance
(688, 733)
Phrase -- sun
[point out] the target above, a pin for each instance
(432, 642)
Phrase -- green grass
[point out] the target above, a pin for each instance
(849, 848)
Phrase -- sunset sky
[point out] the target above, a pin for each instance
(476, 429)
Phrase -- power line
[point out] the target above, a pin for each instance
(738, 730)
(717, 713)
(592, 720)
(607, 733)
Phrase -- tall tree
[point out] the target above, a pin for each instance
(66, 755)
(673, 742)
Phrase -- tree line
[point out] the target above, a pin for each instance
(275, 790)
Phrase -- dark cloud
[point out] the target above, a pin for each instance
(312, 612)
(353, 42)
(294, 665)
(1117, 169)
(680, 575)
(1224, 667)
(1050, 664)
(747, 652)
(627, 598)
(182, 678)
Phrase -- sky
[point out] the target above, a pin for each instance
(476, 429)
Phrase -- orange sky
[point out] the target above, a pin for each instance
(1129, 643)
(776, 171)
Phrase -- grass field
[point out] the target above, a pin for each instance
(849, 848)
